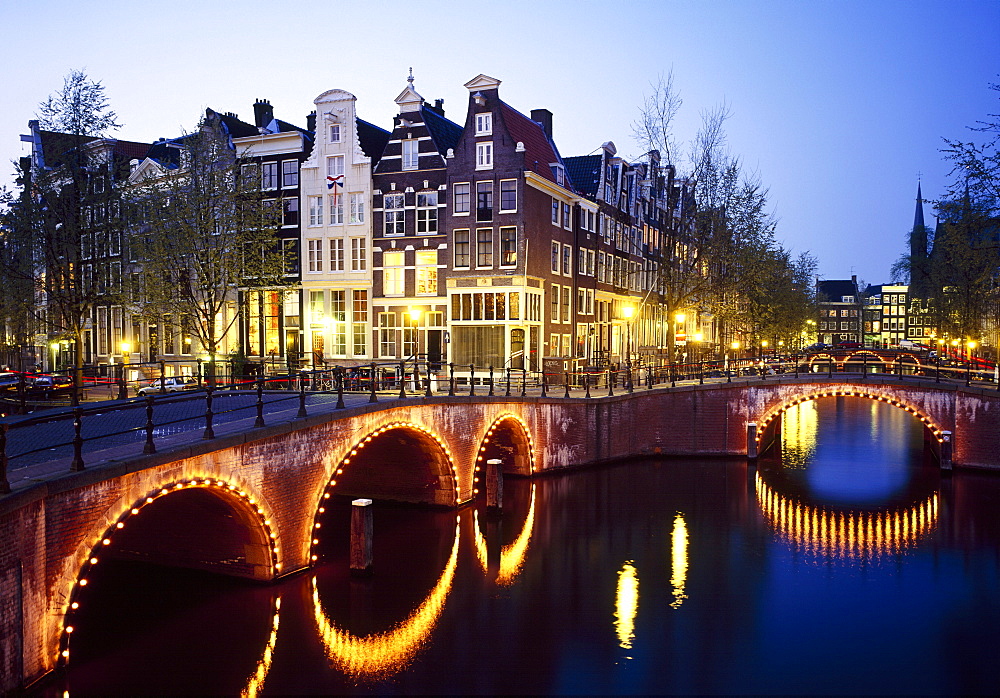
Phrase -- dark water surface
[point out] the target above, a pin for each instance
(847, 565)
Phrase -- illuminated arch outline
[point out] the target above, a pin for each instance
(212, 483)
(826, 532)
(381, 654)
(486, 440)
(346, 460)
(511, 556)
(773, 413)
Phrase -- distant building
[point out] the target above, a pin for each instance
(839, 311)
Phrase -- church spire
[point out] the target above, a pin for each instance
(918, 216)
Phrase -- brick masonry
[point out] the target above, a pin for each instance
(273, 479)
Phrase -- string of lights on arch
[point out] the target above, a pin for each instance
(120, 522)
(854, 392)
(486, 440)
(358, 447)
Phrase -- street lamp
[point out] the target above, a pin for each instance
(627, 312)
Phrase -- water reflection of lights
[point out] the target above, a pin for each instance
(678, 560)
(256, 680)
(511, 556)
(382, 654)
(626, 604)
(799, 429)
(847, 535)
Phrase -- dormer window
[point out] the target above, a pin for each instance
(484, 124)
(335, 133)
(560, 173)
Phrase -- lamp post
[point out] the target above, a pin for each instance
(126, 348)
(627, 312)
(414, 314)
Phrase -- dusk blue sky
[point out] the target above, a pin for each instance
(836, 105)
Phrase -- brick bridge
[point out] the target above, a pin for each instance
(252, 503)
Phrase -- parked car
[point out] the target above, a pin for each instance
(848, 345)
(818, 346)
(49, 385)
(9, 381)
(172, 384)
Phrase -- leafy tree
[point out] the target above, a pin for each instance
(201, 231)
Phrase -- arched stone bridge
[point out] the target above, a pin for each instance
(252, 504)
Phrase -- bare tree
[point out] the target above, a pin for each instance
(201, 231)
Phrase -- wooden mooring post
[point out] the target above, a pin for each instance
(494, 484)
(947, 446)
(361, 536)
(752, 440)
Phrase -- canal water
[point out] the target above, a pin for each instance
(846, 563)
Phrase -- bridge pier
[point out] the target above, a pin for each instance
(752, 440)
(947, 448)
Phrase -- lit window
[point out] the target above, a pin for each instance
(426, 272)
(392, 273)
(508, 247)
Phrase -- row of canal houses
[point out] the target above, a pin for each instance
(474, 243)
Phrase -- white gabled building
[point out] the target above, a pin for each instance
(336, 242)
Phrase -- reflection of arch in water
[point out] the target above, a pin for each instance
(256, 680)
(248, 512)
(382, 654)
(511, 556)
(776, 411)
(828, 533)
(518, 455)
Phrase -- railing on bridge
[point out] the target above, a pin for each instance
(167, 406)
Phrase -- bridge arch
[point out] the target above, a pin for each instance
(770, 416)
(508, 439)
(244, 542)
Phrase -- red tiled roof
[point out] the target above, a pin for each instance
(538, 150)
(131, 149)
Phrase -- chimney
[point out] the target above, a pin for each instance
(439, 106)
(854, 280)
(543, 117)
(263, 113)
(311, 122)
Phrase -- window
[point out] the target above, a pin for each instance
(357, 208)
(290, 211)
(411, 155)
(508, 195)
(484, 201)
(567, 260)
(555, 257)
(337, 254)
(484, 124)
(392, 273)
(427, 272)
(338, 313)
(484, 247)
(315, 210)
(462, 254)
(393, 206)
(555, 212)
(314, 255)
(335, 166)
(269, 175)
(463, 195)
(336, 210)
(427, 221)
(554, 303)
(565, 303)
(387, 334)
(508, 247)
(360, 317)
(567, 217)
(290, 256)
(359, 254)
(335, 133)
(484, 156)
(289, 173)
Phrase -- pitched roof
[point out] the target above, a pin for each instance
(835, 289)
(445, 132)
(585, 173)
(539, 150)
(55, 145)
(372, 138)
